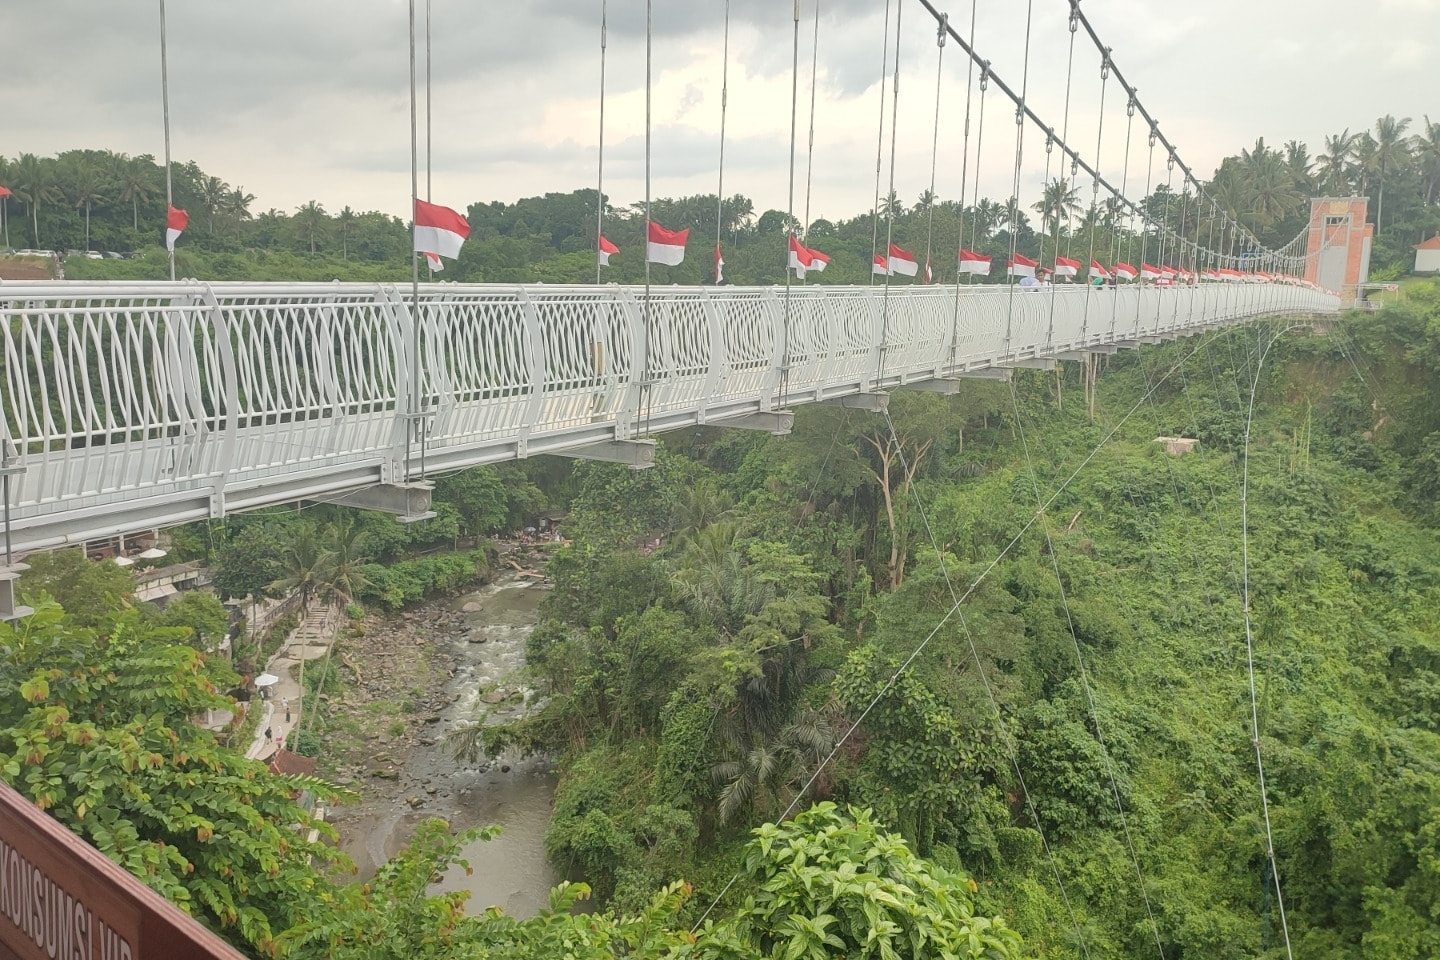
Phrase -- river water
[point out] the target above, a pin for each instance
(488, 648)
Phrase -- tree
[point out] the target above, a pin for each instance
(1392, 151)
(96, 728)
(34, 184)
(346, 219)
(83, 184)
(1058, 202)
(203, 615)
(1332, 168)
(134, 177)
(302, 566)
(89, 590)
(1426, 146)
(311, 219)
(833, 883)
(213, 195)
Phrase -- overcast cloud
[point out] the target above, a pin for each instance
(310, 100)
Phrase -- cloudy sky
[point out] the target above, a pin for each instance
(308, 99)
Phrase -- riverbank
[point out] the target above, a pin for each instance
(403, 682)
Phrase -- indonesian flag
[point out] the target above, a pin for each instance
(719, 265)
(929, 274)
(1231, 275)
(439, 230)
(819, 261)
(436, 264)
(1065, 267)
(903, 262)
(666, 246)
(1098, 270)
(4, 191)
(881, 266)
(976, 263)
(1209, 274)
(175, 222)
(799, 258)
(1021, 266)
(1263, 275)
(1147, 272)
(606, 248)
(1185, 275)
(1167, 273)
(1124, 270)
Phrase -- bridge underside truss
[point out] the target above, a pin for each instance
(127, 406)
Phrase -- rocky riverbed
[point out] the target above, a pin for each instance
(409, 680)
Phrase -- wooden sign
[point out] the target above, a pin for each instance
(61, 899)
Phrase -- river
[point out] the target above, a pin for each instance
(481, 635)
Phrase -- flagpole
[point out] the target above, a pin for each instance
(429, 267)
(415, 422)
(645, 364)
(165, 101)
(600, 164)
(724, 102)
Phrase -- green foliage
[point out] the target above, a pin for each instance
(89, 591)
(409, 581)
(833, 884)
(200, 613)
(97, 729)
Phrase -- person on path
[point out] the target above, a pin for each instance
(269, 734)
(286, 703)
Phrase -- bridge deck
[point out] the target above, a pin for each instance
(132, 405)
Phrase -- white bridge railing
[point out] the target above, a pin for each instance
(129, 405)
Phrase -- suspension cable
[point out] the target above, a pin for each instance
(935, 144)
(892, 201)
(724, 104)
(810, 156)
(879, 144)
(600, 163)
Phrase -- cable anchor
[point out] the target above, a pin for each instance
(943, 32)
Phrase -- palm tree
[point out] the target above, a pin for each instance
(311, 218)
(213, 192)
(1392, 151)
(342, 573)
(34, 184)
(1333, 167)
(133, 177)
(83, 183)
(346, 219)
(1058, 202)
(237, 205)
(925, 202)
(892, 207)
(1426, 145)
(1365, 154)
(303, 562)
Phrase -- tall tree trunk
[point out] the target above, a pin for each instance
(135, 212)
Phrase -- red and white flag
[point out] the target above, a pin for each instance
(175, 223)
(666, 246)
(799, 258)
(1021, 266)
(902, 261)
(4, 191)
(929, 274)
(975, 263)
(719, 265)
(1098, 270)
(1167, 273)
(439, 230)
(606, 248)
(436, 264)
(1125, 271)
(1065, 267)
(802, 259)
(1149, 272)
(1231, 276)
(881, 266)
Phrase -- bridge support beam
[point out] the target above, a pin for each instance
(778, 423)
(10, 608)
(987, 373)
(869, 402)
(409, 502)
(946, 388)
(635, 454)
(1039, 363)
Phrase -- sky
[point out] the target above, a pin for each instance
(299, 100)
